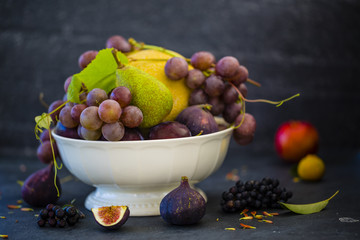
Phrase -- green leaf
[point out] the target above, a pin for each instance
(43, 121)
(100, 73)
(122, 58)
(307, 208)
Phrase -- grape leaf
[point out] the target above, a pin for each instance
(307, 208)
(100, 73)
(43, 121)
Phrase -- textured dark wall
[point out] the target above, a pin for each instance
(306, 46)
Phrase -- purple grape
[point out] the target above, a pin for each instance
(217, 105)
(90, 134)
(231, 111)
(230, 94)
(90, 119)
(96, 96)
(202, 60)
(176, 68)
(244, 134)
(214, 86)
(66, 119)
(198, 96)
(76, 112)
(240, 76)
(67, 83)
(119, 43)
(113, 131)
(44, 152)
(195, 79)
(167, 130)
(243, 89)
(122, 95)
(131, 117)
(109, 111)
(54, 105)
(86, 58)
(227, 66)
(63, 131)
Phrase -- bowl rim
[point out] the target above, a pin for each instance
(145, 141)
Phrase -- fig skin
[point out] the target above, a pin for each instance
(198, 119)
(116, 226)
(38, 189)
(183, 205)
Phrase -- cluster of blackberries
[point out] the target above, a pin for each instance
(55, 215)
(254, 194)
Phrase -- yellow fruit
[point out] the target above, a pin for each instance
(311, 168)
(153, 62)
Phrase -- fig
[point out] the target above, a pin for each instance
(111, 217)
(38, 189)
(169, 129)
(183, 205)
(198, 119)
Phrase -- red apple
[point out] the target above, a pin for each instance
(295, 139)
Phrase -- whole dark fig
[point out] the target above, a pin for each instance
(38, 189)
(198, 119)
(183, 205)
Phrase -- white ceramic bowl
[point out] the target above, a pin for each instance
(140, 173)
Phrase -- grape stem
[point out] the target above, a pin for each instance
(277, 103)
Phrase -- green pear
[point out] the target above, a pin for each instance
(149, 94)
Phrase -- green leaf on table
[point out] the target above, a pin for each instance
(100, 73)
(307, 208)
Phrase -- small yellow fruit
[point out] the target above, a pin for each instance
(311, 168)
(153, 62)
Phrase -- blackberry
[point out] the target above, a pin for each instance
(61, 223)
(70, 211)
(60, 213)
(54, 215)
(41, 222)
(254, 194)
(44, 213)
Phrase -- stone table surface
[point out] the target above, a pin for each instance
(342, 173)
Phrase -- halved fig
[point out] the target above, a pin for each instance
(111, 217)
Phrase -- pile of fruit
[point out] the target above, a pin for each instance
(56, 216)
(145, 95)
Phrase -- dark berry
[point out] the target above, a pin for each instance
(41, 222)
(289, 194)
(56, 207)
(60, 213)
(229, 196)
(70, 211)
(51, 214)
(52, 222)
(275, 182)
(49, 206)
(263, 189)
(44, 214)
(238, 196)
(245, 194)
(237, 204)
(61, 223)
(239, 183)
(233, 190)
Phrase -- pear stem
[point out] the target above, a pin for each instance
(114, 53)
(142, 45)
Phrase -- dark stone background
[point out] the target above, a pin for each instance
(304, 46)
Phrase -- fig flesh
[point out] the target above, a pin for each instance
(198, 119)
(111, 217)
(183, 205)
(38, 189)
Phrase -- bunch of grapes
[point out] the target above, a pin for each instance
(54, 215)
(254, 194)
(220, 84)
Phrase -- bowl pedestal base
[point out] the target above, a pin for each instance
(142, 201)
